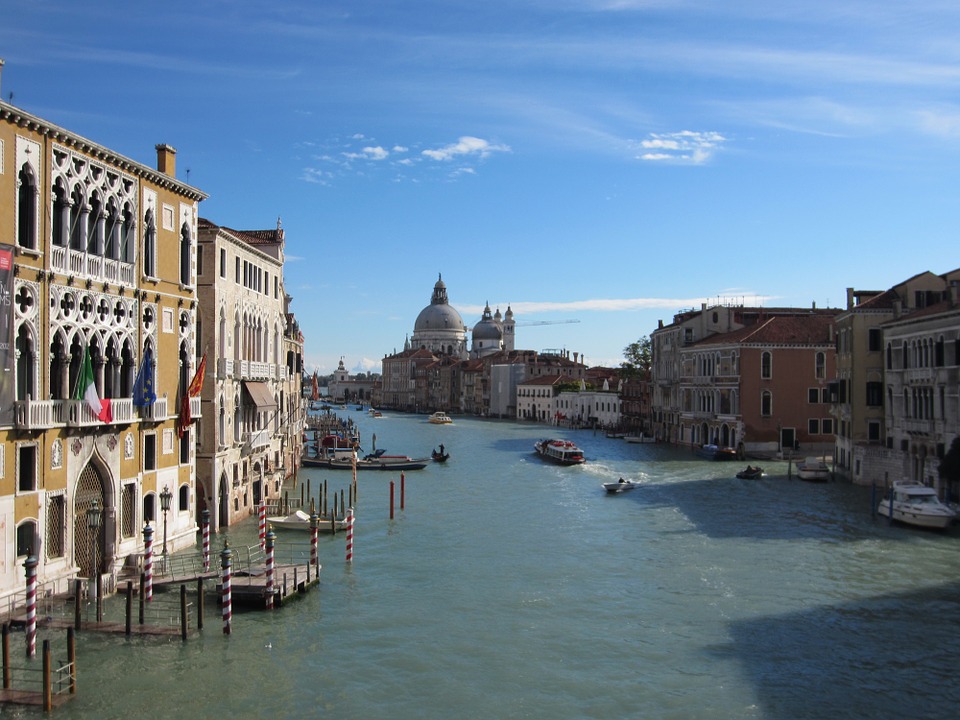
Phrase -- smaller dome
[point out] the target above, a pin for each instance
(487, 328)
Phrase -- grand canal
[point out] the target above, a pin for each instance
(508, 588)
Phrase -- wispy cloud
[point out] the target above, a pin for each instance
(465, 146)
(594, 305)
(358, 155)
(687, 147)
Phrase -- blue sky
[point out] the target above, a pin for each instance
(605, 161)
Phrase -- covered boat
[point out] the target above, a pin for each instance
(813, 469)
(439, 418)
(560, 452)
(916, 504)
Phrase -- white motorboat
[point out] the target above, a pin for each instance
(560, 452)
(641, 438)
(299, 520)
(439, 418)
(813, 469)
(916, 504)
(620, 486)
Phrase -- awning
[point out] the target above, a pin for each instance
(260, 394)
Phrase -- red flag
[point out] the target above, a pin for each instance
(196, 385)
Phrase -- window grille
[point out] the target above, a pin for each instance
(128, 510)
(56, 526)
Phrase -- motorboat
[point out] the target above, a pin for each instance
(620, 486)
(641, 438)
(439, 418)
(560, 452)
(750, 473)
(813, 469)
(916, 504)
(715, 452)
(299, 520)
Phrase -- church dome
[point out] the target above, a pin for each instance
(487, 328)
(438, 315)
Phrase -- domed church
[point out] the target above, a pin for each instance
(493, 333)
(439, 327)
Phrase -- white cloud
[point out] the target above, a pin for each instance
(465, 146)
(686, 147)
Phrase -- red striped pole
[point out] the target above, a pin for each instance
(206, 539)
(349, 535)
(148, 563)
(263, 524)
(31, 567)
(403, 486)
(314, 531)
(271, 540)
(225, 588)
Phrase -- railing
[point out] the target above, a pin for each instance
(34, 414)
(259, 439)
(80, 414)
(156, 411)
(195, 405)
(224, 368)
(92, 267)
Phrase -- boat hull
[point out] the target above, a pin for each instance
(619, 487)
(912, 517)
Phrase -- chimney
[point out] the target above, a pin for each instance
(814, 305)
(850, 298)
(167, 160)
(952, 290)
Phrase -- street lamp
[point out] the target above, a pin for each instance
(94, 518)
(165, 497)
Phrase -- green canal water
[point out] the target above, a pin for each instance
(509, 588)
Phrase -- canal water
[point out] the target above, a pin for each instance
(510, 588)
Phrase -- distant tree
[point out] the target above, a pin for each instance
(639, 359)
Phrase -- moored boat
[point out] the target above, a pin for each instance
(299, 520)
(641, 438)
(916, 504)
(715, 452)
(813, 469)
(560, 452)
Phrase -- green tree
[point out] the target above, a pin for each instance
(638, 359)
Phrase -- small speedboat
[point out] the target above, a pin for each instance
(916, 504)
(750, 473)
(620, 486)
(439, 418)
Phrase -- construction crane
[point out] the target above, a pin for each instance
(528, 323)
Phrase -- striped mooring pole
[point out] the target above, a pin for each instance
(271, 541)
(263, 524)
(314, 531)
(350, 535)
(31, 568)
(148, 563)
(205, 521)
(225, 602)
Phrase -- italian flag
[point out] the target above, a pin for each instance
(87, 391)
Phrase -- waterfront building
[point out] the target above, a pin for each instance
(866, 450)
(98, 269)
(751, 378)
(346, 388)
(537, 399)
(635, 406)
(922, 403)
(255, 402)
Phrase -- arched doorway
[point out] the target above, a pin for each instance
(90, 488)
(223, 506)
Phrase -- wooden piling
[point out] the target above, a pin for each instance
(72, 659)
(200, 603)
(47, 684)
(129, 618)
(183, 611)
(391, 499)
(77, 600)
(143, 581)
(99, 584)
(6, 656)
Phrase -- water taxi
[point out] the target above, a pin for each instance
(560, 452)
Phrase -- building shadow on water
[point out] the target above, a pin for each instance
(890, 656)
(774, 508)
